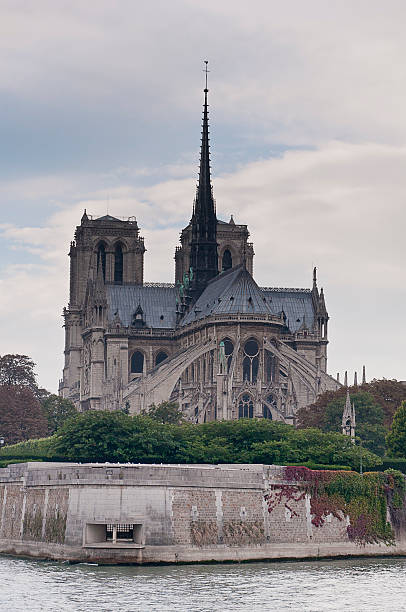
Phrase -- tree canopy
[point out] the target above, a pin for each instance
(375, 404)
(115, 436)
(57, 410)
(17, 370)
(21, 416)
(165, 412)
(396, 439)
(389, 394)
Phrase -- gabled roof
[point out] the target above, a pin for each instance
(158, 304)
(231, 292)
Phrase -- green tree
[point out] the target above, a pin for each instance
(95, 436)
(327, 412)
(114, 436)
(389, 394)
(152, 442)
(369, 416)
(57, 410)
(18, 370)
(396, 439)
(165, 412)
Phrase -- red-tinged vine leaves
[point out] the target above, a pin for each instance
(364, 499)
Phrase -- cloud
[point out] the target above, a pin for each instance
(291, 73)
(340, 207)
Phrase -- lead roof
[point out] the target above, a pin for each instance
(158, 304)
(228, 293)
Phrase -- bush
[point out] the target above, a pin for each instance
(40, 448)
(392, 463)
(321, 466)
(95, 436)
(114, 436)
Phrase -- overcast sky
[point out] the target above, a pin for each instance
(100, 108)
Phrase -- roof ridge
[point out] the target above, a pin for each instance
(292, 289)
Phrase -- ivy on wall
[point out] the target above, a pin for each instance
(365, 499)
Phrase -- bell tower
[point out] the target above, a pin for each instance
(107, 248)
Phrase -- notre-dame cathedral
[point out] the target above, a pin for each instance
(213, 341)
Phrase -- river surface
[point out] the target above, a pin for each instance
(344, 586)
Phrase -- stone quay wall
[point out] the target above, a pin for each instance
(176, 513)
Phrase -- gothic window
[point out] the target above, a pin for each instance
(227, 262)
(250, 361)
(266, 411)
(245, 407)
(101, 259)
(271, 365)
(228, 351)
(118, 264)
(160, 357)
(137, 363)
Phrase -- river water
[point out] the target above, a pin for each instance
(350, 586)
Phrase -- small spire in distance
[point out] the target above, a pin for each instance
(314, 276)
(364, 380)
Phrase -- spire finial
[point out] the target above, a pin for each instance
(206, 71)
(314, 276)
(364, 380)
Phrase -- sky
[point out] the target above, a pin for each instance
(100, 108)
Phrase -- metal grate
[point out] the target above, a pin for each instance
(124, 532)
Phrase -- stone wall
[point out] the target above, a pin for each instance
(179, 513)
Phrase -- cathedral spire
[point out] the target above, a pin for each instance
(204, 195)
(203, 253)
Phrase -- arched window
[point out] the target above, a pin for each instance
(137, 363)
(245, 407)
(160, 357)
(227, 262)
(101, 259)
(271, 367)
(228, 352)
(118, 264)
(250, 362)
(266, 408)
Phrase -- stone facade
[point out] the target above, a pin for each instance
(114, 513)
(215, 342)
